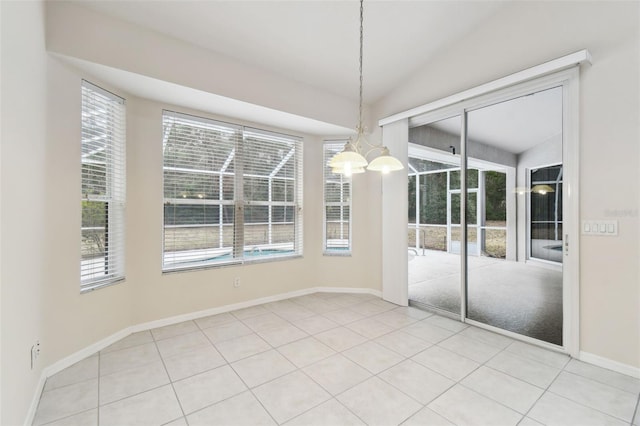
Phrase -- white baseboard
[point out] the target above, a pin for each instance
(609, 364)
(101, 344)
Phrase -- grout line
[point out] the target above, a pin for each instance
(169, 377)
(635, 413)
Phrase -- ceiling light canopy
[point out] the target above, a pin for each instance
(353, 157)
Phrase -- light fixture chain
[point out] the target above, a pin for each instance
(360, 129)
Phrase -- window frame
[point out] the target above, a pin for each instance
(237, 252)
(326, 250)
(115, 184)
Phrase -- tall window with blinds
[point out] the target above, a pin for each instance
(232, 194)
(103, 187)
(337, 204)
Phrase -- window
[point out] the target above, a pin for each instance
(103, 187)
(232, 194)
(337, 204)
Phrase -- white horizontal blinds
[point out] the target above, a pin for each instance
(272, 194)
(199, 190)
(337, 203)
(103, 187)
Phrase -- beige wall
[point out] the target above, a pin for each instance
(23, 190)
(529, 33)
(41, 220)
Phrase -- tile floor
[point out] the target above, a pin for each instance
(332, 359)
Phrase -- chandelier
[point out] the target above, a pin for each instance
(353, 157)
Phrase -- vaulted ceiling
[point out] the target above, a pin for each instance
(315, 42)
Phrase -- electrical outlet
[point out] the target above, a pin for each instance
(236, 282)
(35, 353)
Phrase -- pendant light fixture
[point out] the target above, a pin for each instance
(352, 159)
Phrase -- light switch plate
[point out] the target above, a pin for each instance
(605, 228)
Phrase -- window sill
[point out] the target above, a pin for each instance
(88, 288)
(336, 253)
(230, 264)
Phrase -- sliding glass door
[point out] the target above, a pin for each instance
(486, 214)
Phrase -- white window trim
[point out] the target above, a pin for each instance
(240, 203)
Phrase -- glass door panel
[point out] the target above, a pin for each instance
(434, 267)
(514, 215)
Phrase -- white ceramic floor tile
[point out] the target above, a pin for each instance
(321, 307)
(403, 343)
(343, 316)
(155, 407)
(447, 323)
(379, 403)
(607, 399)
(515, 394)
(213, 320)
(177, 422)
(525, 369)
(466, 407)
(174, 330)
(370, 328)
(429, 332)
(86, 418)
(343, 300)
(373, 357)
(86, 369)
(394, 319)
(544, 356)
(199, 360)
(470, 348)
(290, 395)
(337, 373)
(529, 422)
(249, 312)
(369, 309)
(340, 338)
(555, 410)
(182, 344)
(241, 410)
(264, 322)
(295, 313)
(66, 401)
(227, 331)
(282, 335)
(315, 324)
(326, 414)
(427, 416)
(412, 312)
(123, 359)
(262, 367)
(131, 340)
(130, 382)
(207, 388)
(420, 383)
(242, 347)
(487, 337)
(306, 351)
(445, 362)
(602, 375)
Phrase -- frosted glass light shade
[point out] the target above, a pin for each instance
(347, 170)
(348, 156)
(542, 189)
(385, 163)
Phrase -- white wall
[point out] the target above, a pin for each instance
(525, 34)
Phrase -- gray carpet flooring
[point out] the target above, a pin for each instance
(520, 297)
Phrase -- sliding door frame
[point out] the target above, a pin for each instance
(569, 81)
